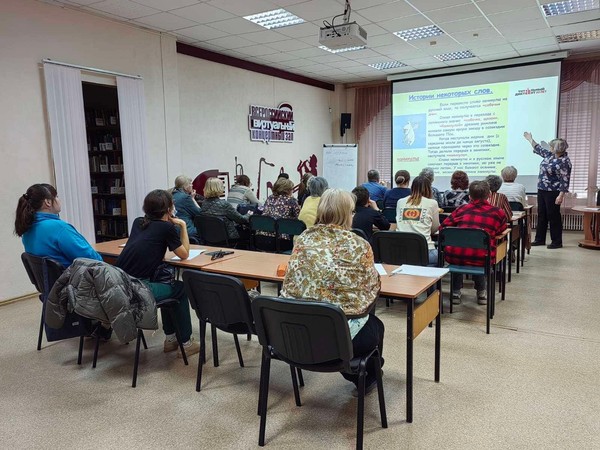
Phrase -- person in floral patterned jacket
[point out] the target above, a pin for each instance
(553, 184)
(331, 264)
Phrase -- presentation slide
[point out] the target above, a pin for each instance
(475, 122)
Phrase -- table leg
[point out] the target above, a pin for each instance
(438, 336)
(409, 359)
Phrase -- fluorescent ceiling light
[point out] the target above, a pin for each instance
(568, 7)
(340, 50)
(452, 56)
(276, 18)
(387, 65)
(419, 33)
(579, 36)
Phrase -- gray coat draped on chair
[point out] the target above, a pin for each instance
(100, 291)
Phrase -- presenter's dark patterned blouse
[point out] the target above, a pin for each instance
(555, 172)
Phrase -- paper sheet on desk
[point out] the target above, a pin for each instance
(380, 269)
(422, 271)
(193, 254)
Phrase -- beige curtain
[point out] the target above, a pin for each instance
(372, 107)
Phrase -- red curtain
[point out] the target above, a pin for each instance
(576, 72)
(368, 102)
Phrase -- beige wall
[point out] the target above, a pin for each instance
(196, 110)
(214, 120)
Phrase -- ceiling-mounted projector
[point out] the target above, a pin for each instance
(343, 36)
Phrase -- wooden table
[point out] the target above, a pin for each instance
(418, 317)
(111, 250)
(263, 267)
(591, 226)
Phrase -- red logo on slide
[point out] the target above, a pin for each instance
(529, 91)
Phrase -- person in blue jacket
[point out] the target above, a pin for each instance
(43, 232)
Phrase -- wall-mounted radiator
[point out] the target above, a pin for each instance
(572, 221)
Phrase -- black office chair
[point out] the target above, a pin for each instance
(266, 240)
(290, 228)
(223, 302)
(450, 209)
(43, 273)
(516, 206)
(396, 247)
(311, 336)
(166, 305)
(474, 238)
(212, 231)
(359, 232)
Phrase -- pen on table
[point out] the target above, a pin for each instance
(396, 271)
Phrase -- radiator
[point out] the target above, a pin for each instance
(571, 221)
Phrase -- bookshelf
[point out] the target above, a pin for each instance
(105, 156)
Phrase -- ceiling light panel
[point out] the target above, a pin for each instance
(453, 56)
(387, 65)
(419, 33)
(579, 36)
(568, 7)
(276, 18)
(340, 50)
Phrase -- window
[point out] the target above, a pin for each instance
(579, 125)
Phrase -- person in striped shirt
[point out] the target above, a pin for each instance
(478, 213)
(497, 198)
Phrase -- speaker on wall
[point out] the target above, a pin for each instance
(345, 123)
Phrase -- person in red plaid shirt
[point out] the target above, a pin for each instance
(478, 213)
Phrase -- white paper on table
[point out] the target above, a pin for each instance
(591, 209)
(193, 254)
(380, 269)
(421, 271)
(122, 245)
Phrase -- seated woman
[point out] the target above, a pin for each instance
(281, 205)
(515, 192)
(186, 206)
(366, 214)
(331, 264)
(419, 213)
(241, 192)
(438, 196)
(391, 197)
(308, 213)
(458, 195)
(215, 206)
(42, 231)
(497, 198)
(148, 241)
(303, 191)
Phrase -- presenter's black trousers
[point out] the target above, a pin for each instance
(548, 214)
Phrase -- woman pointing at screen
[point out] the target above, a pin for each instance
(553, 183)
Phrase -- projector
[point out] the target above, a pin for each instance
(343, 36)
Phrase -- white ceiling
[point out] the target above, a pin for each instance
(490, 29)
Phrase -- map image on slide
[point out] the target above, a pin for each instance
(410, 131)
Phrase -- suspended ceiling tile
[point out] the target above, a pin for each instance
(475, 23)
(264, 37)
(166, 21)
(387, 11)
(534, 43)
(124, 8)
(236, 25)
(520, 15)
(257, 50)
(431, 5)
(405, 23)
(202, 32)
(317, 9)
(202, 13)
(454, 13)
(167, 5)
(232, 42)
(495, 6)
(289, 45)
(242, 8)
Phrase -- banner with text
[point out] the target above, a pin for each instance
(271, 124)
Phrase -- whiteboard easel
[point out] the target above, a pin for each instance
(340, 165)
